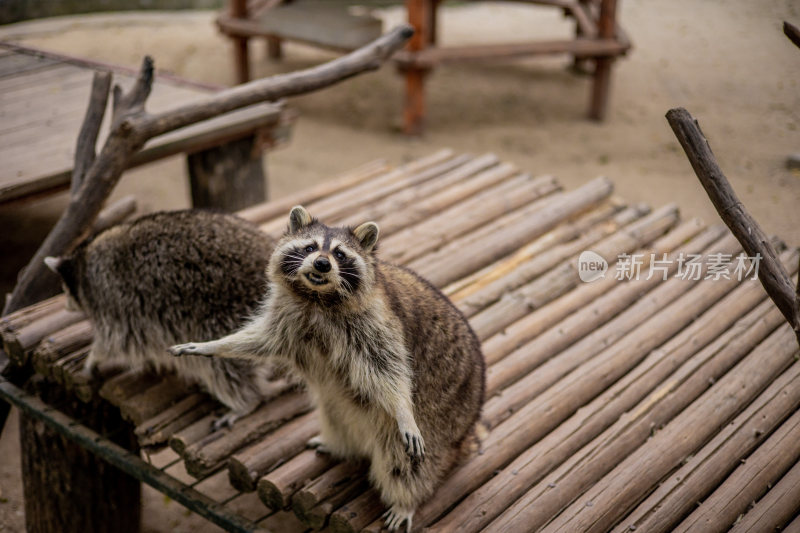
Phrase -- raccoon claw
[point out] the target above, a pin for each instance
(414, 445)
(225, 421)
(394, 518)
(185, 349)
(316, 443)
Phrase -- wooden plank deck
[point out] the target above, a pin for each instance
(43, 98)
(663, 403)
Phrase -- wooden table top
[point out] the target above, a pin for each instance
(43, 98)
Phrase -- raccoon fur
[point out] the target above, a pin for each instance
(171, 277)
(395, 370)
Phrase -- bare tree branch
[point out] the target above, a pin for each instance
(132, 127)
(87, 138)
(114, 214)
(773, 276)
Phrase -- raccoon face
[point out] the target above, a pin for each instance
(325, 264)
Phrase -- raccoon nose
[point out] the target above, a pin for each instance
(322, 264)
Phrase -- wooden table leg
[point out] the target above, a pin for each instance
(414, 109)
(274, 48)
(67, 488)
(421, 14)
(228, 177)
(606, 27)
(238, 9)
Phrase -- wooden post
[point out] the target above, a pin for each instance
(238, 9)
(419, 12)
(66, 488)
(274, 48)
(229, 177)
(606, 28)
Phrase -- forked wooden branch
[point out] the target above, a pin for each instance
(773, 276)
(87, 138)
(132, 126)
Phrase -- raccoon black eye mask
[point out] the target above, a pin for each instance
(395, 371)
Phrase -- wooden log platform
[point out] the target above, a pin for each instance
(662, 396)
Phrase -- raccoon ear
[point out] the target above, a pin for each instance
(53, 263)
(367, 235)
(298, 218)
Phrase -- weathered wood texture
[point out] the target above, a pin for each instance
(91, 480)
(639, 395)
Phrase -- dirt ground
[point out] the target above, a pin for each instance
(726, 61)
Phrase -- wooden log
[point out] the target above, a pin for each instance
(624, 486)
(569, 231)
(583, 335)
(85, 387)
(486, 293)
(763, 468)
(541, 415)
(344, 203)
(771, 273)
(430, 234)
(357, 514)
(776, 508)
(696, 367)
(340, 477)
(127, 384)
(61, 343)
(138, 408)
(246, 467)
(209, 452)
(409, 206)
(676, 497)
(528, 327)
(159, 428)
(518, 228)
(565, 442)
(261, 213)
(317, 517)
(10, 325)
(200, 429)
(62, 367)
(565, 276)
(277, 488)
(29, 336)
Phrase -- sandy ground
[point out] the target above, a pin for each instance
(726, 61)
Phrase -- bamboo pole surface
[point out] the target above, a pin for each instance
(628, 482)
(751, 479)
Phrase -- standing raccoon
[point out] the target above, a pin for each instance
(394, 368)
(170, 277)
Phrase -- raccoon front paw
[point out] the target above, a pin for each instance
(190, 348)
(413, 443)
(316, 443)
(395, 518)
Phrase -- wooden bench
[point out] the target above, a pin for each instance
(43, 97)
(660, 402)
(598, 39)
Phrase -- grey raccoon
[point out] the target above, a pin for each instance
(394, 368)
(170, 277)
